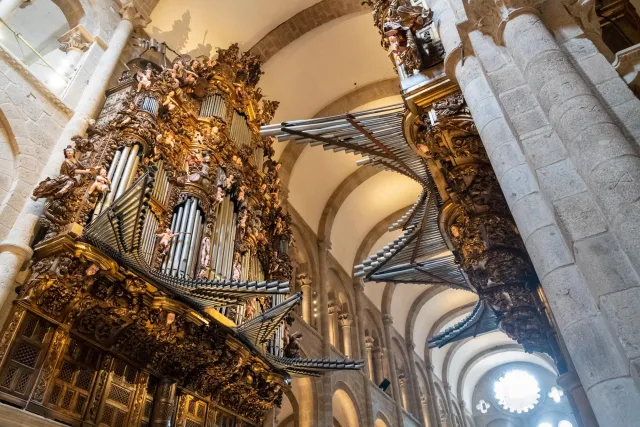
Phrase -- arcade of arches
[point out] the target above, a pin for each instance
(522, 114)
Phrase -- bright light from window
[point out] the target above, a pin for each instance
(544, 425)
(56, 82)
(556, 394)
(565, 423)
(517, 391)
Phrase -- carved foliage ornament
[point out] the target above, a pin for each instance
(121, 315)
(489, 16)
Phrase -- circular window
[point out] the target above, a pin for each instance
(517, 391)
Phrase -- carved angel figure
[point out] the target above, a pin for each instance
(144, 79)
(205, 252)
(165, 240)
(292, 347)
(102, 184)
(64, 183)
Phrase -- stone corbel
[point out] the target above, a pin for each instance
(584, 12)
(491, 16)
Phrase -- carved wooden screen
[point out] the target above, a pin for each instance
(75, 374)
(19, 372)
(224, 419)
(195, 411)
(121, 391)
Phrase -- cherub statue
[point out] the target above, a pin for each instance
(251, 308)
(64, 183)
(165, 240)
(214, 135)
(144, 79)
(102, 184)
(205, 252)
(169, 102)
(125, 116)
(170, 139)
(292, 347)
(237, 268)
(241, 193)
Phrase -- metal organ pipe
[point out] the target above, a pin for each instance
(117, 175)
(174, 241)
(128, 170)
(103, 198)
(188, 238)
(175, 266)
(194, 248)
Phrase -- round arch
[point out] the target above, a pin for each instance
(382, 420)
(344, 404)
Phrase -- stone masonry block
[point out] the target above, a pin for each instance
(531, 213)
(604, 265)
(477, 91)
(597, 69)
(526, 46)
(579, 48)
(506, 78)
(597, 144)
(559, 180)
(577, 114)
(615, 402)
(621, 309)
(547, 65)
(559, 90)
(506, 157)
(496, 133)
(628, 114)
(616, 183)
(518, 101)
(529, 122)
(517, 183)
(579, 216)
(569, 296)
(615, 92)
(594, 351)
(548, 250)
(485, 111)
(544, 149)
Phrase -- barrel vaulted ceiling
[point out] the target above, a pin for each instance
(323, 58)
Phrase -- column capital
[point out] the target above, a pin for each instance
(491, 16)
(368, 342)
(345, 319)
(130, 11)
(324, 245)
(359, 285)
(77, 38)
(411, 346)
(333, 306)
(378, 351)
(447, 386)
(401, 379)
(387, 319)
(303, 280)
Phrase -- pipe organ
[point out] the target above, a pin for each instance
(178, 227)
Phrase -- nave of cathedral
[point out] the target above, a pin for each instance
(320, 213)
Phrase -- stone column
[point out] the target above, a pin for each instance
(164, 403)
(378, 376)
(333, 311)
(364, 342)
(325, 417)
(415, 382)
(15, 249)
(387, 320)
(402, 382)
(434, 419)
(447, 398)
(572, 386)
(345, 324)
(307, 296)
(424, 406)
(7, 7)
(370, 366)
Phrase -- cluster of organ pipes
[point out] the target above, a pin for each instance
(188, 223)
(240, 131)
(223, 239)
(161, 188)
(121, 174)
(214, 106)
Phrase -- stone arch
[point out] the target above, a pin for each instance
(416, 307)
(14, 167)
(290, 410)
(345, 406)
(307, 241)
(72, 10)
(376, 233)
(304, 390)
(382, 420)
(441, 404)
(387, 297)
(301, 23)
